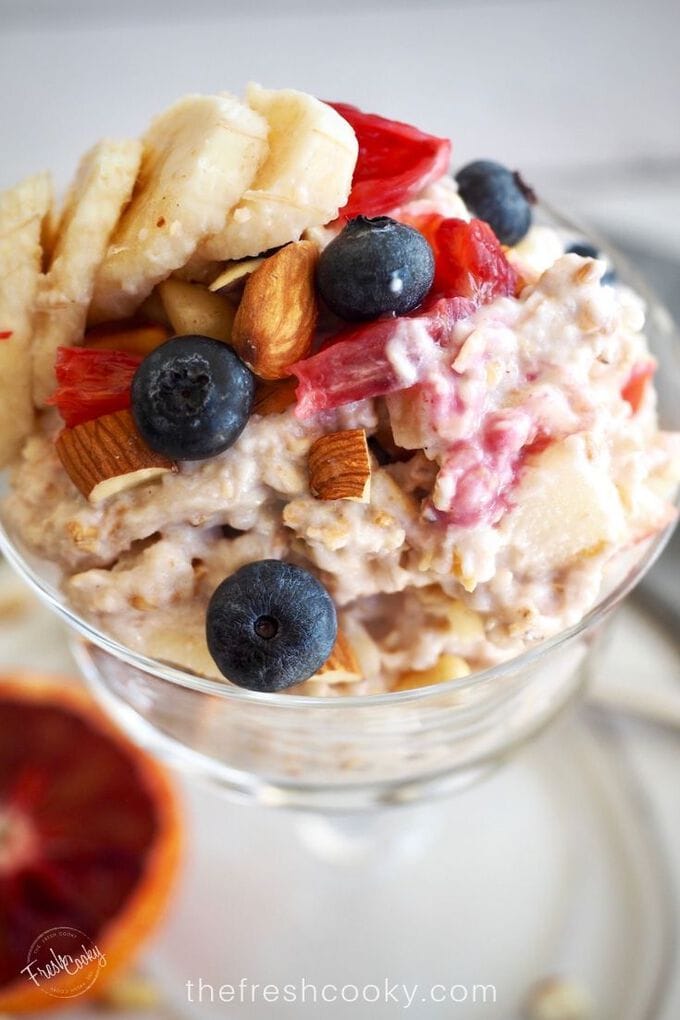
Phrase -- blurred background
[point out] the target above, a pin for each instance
(582, 96)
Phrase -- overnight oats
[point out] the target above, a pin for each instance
(289, 405)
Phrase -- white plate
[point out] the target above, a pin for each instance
(547, 868)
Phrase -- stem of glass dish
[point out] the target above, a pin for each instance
(387, 835)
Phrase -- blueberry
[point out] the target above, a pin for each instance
(191, 398)
(270, 625)
(375, 266)
(589, 251)
(497, 195)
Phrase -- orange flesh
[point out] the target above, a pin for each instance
(89, 834)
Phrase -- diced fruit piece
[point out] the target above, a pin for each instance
(470, 262)
(375, 266)
(395, 162)
(355, 365)
(131, 336)
(152, 309)
(634, 390)
(193, 309)
(273, 396)
(566, 507)
(92, 383)
(270, 625)
(589, 251)
(276, 318)
(340, 466)
(91, 839)
(447, 667)
(107, 456)
(499, 197)
(191, 398)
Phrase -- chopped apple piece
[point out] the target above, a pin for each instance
(192, 308)
(447, 667)
(566, 506)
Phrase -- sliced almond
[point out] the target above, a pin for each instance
(274, 396)
(276, 318)
(192, 308)
(447, 667)
(131, 336)
(235, 273)
(107, 455)
(341, 665)
(340, 466)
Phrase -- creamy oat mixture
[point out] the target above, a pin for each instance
(524, 476)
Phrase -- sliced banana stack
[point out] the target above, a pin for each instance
(23, 212)
(200, 156)
(102, 187)
(304, 181)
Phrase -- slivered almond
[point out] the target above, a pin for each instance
(131, 336)
(274, 395)
(340, 466)
(235, 273)
(341, 665)
(276, 318)
(107, 455)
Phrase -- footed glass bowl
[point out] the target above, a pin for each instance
(345, 753)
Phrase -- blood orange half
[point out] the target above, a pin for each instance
(89, 844)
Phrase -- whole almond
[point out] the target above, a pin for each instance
(276, 318)
(107, 455)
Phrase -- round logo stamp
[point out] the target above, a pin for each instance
(64, 962)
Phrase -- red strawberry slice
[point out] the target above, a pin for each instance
(355, 364)
(395, 162)
(470, 261)
(92, 383)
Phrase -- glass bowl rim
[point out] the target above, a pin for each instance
(225, 689)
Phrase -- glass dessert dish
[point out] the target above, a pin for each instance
(353, 752)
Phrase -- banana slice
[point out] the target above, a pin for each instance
(199, 158)
(303, 183)
(23, 211)
(102, 187)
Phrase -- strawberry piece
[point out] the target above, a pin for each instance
(634, 390)
(92, 383)
(469, 259)
(355, 366)
(470, 262)
(395, 162)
